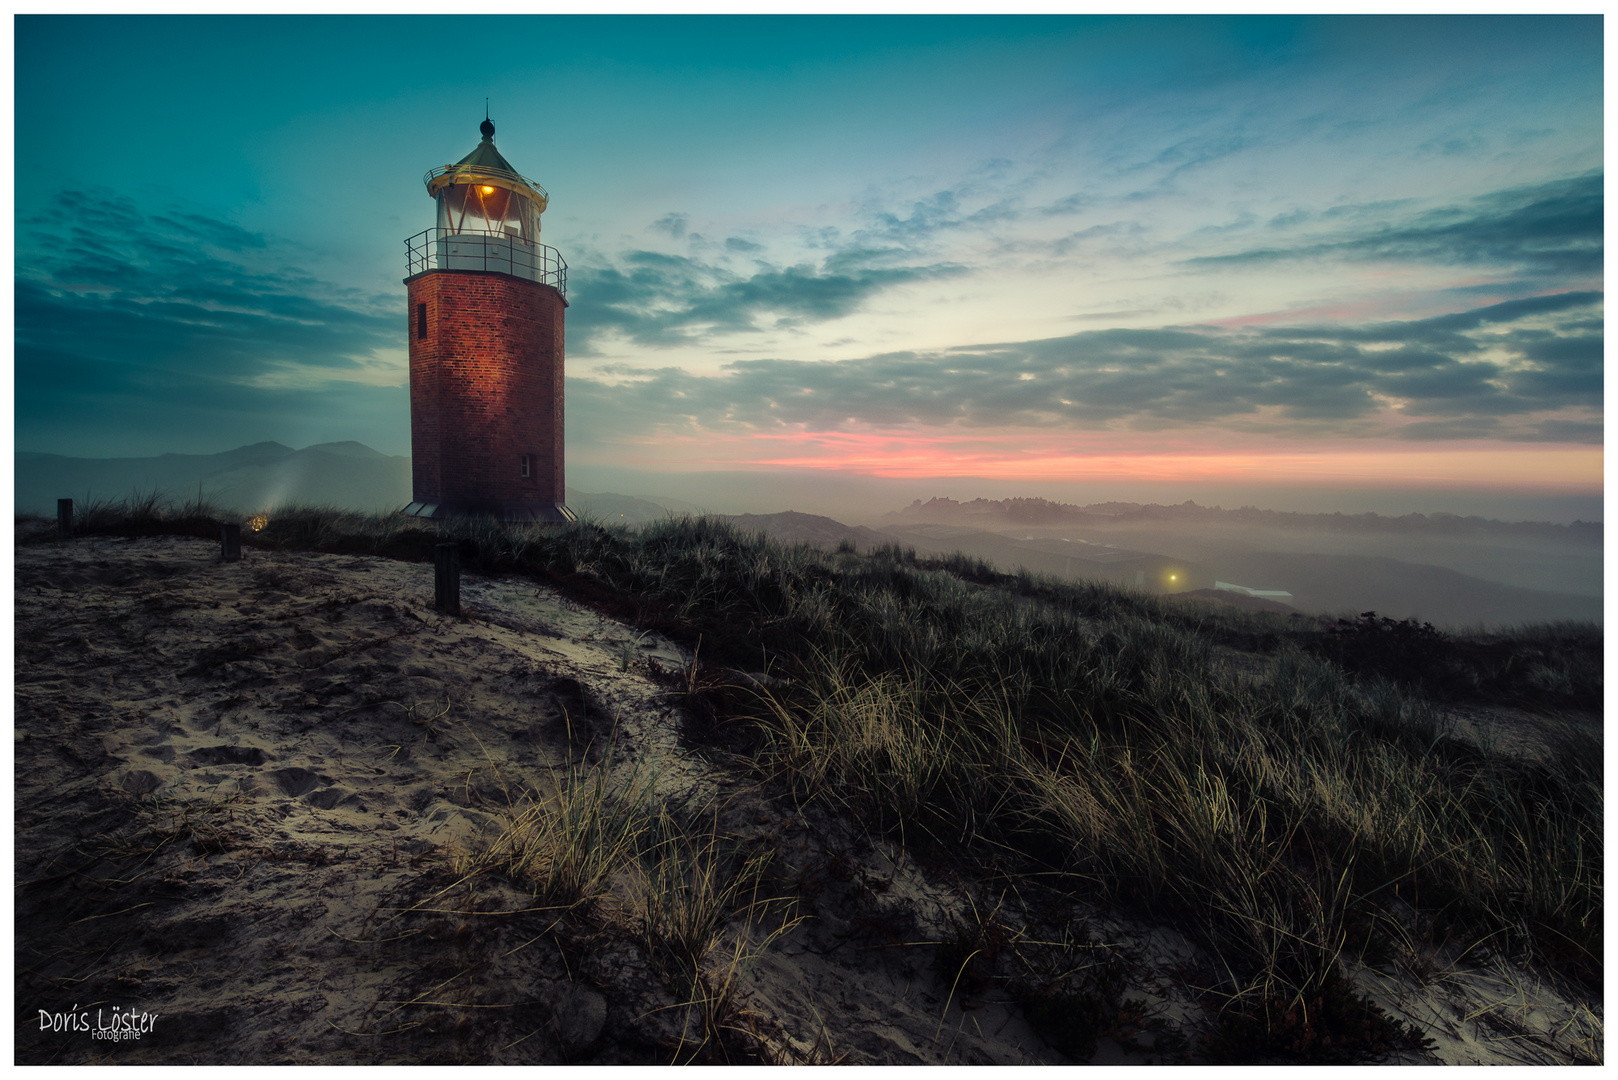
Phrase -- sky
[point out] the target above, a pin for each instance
(1170, 256)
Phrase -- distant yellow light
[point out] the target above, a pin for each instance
(257, 522)
(488, 191)
(1173, 577)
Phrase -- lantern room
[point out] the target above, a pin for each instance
(488, 219)
(482, 193)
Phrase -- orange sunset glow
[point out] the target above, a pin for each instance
(912, 455)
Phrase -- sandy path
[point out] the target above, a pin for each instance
(231, 779)
(271, 755)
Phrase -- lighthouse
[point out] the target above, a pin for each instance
(485, 322)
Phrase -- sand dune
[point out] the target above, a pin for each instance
(245, 792)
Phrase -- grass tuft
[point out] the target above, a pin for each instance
(564, 848)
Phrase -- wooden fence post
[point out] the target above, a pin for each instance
(447, 579)
(230, 542)
(64, 517)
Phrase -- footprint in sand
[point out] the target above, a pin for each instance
(229, 755)
(295, 781)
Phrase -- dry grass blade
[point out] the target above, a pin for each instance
(564, 847)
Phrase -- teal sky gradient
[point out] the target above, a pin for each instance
(1016, 242)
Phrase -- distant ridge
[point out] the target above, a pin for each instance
(264, 475)
(256, 477)
(989, 513)
(611, 509)
(793, 527)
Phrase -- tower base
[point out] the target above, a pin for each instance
(553, 513)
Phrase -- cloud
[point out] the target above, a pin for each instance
(1115, 231)
(1450, 333)
(152, 328)
(1193, 153)
(219, 234)
(918, 225)
(1071, 204)
(1555, 430)
(1555, 227)
(87, 406)
(659, 300)
(942, 210)
(1472, 427)
(673, 224)
(172, 292)
(1450, 377)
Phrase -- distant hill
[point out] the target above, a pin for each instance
(1063, 558)
(1320, 583)
(265, 475)
(794, 528)
(1392, 587)
(1004, 513)
(256, 477)
(609, 508)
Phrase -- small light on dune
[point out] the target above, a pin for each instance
(257, 522)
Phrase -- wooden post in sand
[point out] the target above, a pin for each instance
(447, 579)
(64, 517)
(230, 542)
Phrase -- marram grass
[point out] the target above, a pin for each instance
(1286, 812)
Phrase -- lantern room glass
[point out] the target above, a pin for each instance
(489, 209)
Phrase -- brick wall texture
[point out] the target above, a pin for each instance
(485, 389)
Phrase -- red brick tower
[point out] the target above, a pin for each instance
(486, 307)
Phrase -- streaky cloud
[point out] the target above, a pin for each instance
(1551, 228)
(1436, 380)
(660, 300)
(167, 291)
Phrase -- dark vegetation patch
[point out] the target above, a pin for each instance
(1554, 665)
(1335, 1026)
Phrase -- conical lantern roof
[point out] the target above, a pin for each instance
(486, 165)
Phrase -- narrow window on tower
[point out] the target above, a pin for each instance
(421, 322)
(525, 465)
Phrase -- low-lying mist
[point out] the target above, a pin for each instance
(1452, 558)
